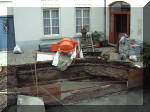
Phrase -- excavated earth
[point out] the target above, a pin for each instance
(21, 78)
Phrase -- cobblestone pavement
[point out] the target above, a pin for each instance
(29, 56)
(106, 49)
(9, 58)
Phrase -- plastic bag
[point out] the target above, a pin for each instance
(55, 60)
(81, 54)
(17, 50)
(73, 55)
(133, 57)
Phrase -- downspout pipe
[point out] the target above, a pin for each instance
(105, 19)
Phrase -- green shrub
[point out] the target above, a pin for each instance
(97, 35)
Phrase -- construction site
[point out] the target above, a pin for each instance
(50, 63)
(85, 79)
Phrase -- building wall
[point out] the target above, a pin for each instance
(97, 19)
(67, 22)
(28, 28)
(29, 24)
(136, 27)
(136, 19)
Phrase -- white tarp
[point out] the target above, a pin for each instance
(45, 56)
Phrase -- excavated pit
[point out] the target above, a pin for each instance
(104, 77)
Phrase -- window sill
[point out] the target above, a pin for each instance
(79, 34)
(50, 37)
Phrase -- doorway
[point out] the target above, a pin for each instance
(119, 21)
(120, 25)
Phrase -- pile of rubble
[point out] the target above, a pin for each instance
(64, 61)
(130, 47)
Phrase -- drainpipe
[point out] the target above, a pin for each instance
(105, 19)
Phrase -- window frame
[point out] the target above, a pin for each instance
(50, 35)
(82, 8)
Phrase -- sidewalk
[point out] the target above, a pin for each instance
(9, 58)
(3, 58)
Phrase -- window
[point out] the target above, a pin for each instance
(51, 21)
(120, 6)
(82, 18)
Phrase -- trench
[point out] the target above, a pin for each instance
(85, 79)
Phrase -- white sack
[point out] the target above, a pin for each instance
(17, 50)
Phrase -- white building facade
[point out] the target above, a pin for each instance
(35, 25)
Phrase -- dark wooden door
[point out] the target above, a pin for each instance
(112, 28)
(119, 23)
